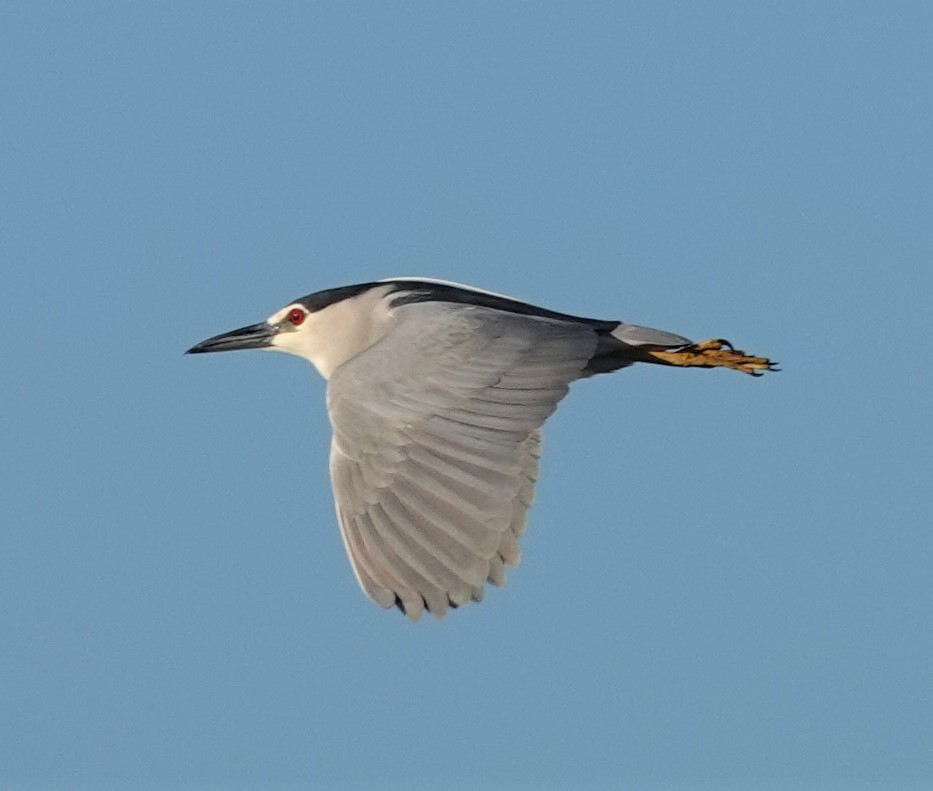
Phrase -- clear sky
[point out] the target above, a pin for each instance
(726, 582)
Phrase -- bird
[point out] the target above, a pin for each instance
(436, 394)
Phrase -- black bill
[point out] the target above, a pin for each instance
(255, 336)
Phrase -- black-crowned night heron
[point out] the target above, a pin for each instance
(436, 395)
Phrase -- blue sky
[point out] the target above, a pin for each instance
(725, 583)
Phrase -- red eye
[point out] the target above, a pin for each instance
(296, 316)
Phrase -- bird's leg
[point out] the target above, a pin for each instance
(714, 353)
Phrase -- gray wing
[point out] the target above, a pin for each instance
(435, 447)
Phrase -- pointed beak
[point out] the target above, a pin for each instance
(255, 336)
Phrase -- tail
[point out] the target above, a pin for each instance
(630, 343)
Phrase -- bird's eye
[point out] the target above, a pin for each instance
(296, 316)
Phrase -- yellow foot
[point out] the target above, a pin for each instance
(714, 353)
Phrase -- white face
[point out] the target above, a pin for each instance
(331, 336)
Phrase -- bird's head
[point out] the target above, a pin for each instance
(280, 331)
(326, 328)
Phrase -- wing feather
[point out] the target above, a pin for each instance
(467, 566)
(410, 587)
(463, 480)
(436, 446)
(472, 533)
(427, 561)
(489, 458)
(430, 579)
(496, 571)
(370, 578)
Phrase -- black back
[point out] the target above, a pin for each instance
(414, 291)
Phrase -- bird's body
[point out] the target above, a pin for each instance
(436, 395)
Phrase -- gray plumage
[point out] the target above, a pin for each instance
(434, 454)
